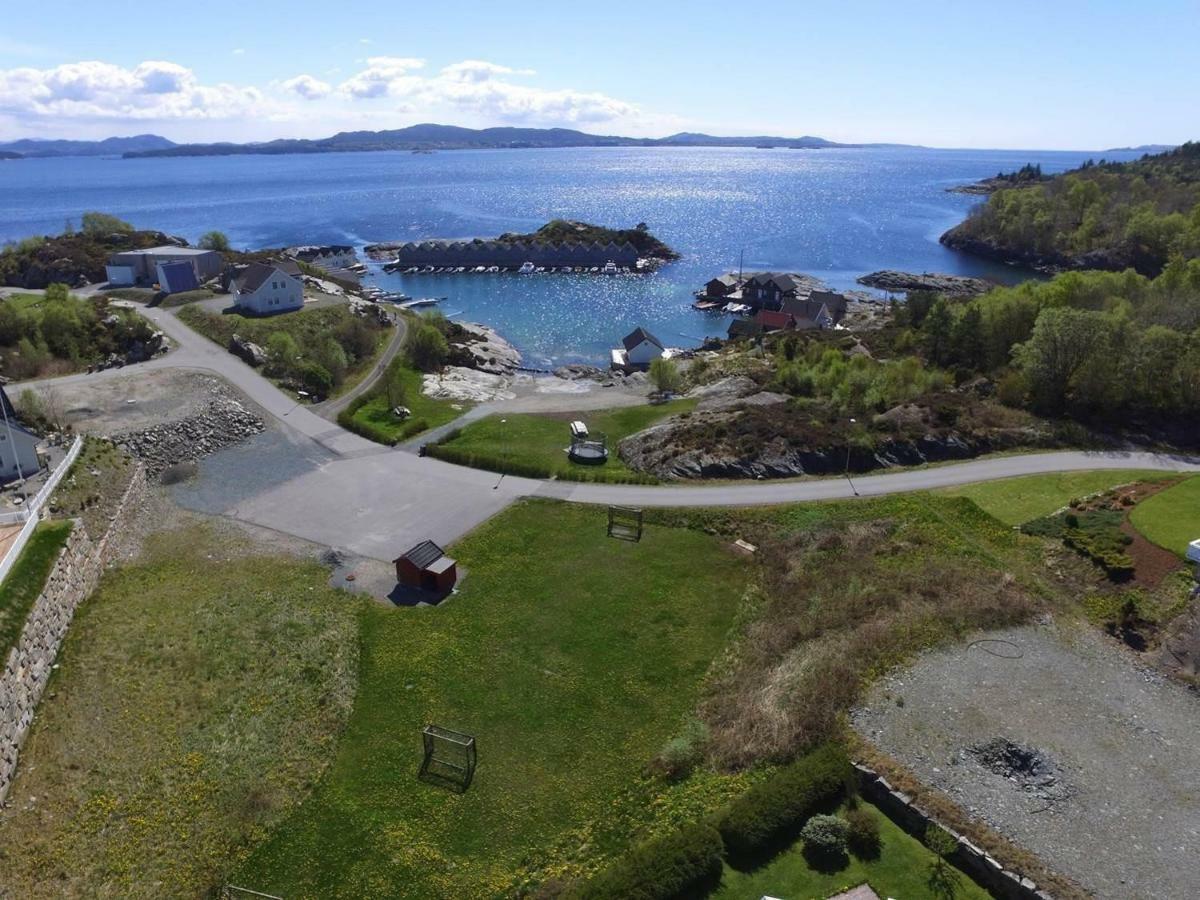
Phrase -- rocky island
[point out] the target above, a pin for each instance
(903, 282)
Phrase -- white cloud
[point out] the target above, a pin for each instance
(239, 51)
(385, 76)
(475, 70)
(98, 90)
(307, 87)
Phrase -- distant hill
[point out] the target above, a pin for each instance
(113, 146)
(452, 137)
(1142, 148)
(9, 154)
(1103, 215)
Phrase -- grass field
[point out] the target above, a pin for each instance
(901, 870)
(376, 413)
(572, 658)
(199, 697)
(1171, 518)
(537, 443)
(24, 581)
(1015, 501)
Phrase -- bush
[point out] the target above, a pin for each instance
(825, 836)
(680, 865)
(682, 753)
(863, 834)
(772, 810)
(425, 347)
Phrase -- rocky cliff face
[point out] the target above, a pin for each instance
(1115, 259)
(760, 436)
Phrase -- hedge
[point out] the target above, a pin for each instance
(753, 825)
(522, 468)
(373, 432)
(674, 866)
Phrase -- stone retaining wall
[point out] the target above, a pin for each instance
(976, 862)
(74, 576)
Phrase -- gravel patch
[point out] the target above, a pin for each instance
(238, 472)
(1063, 744)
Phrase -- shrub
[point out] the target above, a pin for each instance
(825, 835)
(682, 753)
(677, 865)
(756, 822)
(863, 833)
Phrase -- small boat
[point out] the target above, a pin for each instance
(428, 270)
(481, 268)
(421, 301)
(610, 268)
(526, 268)
(541, 268)
(493, 269)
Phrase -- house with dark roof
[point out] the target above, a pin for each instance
(18, 445)
(769, 289)
(638, 349)
(825, 308)
(141, 267)
(266, 288)
(720, 287)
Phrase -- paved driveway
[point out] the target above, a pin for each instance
(375, 501)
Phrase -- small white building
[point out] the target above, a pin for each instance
(266, 288)
(638, 349)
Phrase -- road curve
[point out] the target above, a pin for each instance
(372, 499)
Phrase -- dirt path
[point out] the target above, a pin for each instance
(1111, 793)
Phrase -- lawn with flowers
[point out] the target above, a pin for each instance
(572, 658)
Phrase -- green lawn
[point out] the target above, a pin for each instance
(535, 445)
(25, 580)
(572, 658)
(1171, 518)
(1016, 501)
(374, 419)
(199, 696)
(900, 871)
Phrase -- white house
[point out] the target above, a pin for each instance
(265, 288)
(640, 348)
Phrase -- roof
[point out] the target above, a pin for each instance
(167, 250)
(423, 555)
(744, 328)
(256, 274)
(440, 565)
(638, 335)
(177, 276)
(727, 279)
(781, 280)
(773, 321)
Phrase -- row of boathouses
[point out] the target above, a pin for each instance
(513, 254)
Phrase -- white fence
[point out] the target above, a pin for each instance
(30, 513)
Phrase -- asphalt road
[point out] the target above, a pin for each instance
(376, 501)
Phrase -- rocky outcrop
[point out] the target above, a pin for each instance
(476, 346)
(224, 421)
(938, 283)
(247, 351)
(1112, 259)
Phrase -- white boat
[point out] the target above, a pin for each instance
(481, 268)
(610, 268)
(421, 301)
(493, 269)
(527, 268)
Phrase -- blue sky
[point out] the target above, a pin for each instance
(1055, 75)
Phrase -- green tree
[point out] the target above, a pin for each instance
(664, 375)
(57, 293)
(966, 338)
(394, 386)
(1062, 343)
(937, 328)
(214, 240)
(282, 353)
(99, 224)
(425, 347)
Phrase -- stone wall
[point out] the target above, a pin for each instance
(983, 868)
(72, 579)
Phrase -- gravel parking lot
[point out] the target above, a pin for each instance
(1063, 744)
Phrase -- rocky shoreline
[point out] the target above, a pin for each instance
(939, 283)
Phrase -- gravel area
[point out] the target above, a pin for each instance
(1062, 743)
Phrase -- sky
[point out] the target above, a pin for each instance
(1055, 74)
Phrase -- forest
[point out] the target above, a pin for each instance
(1103, 215)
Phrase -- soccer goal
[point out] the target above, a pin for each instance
(625, 523)
(449, 758)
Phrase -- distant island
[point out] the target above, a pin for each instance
(33, 148)
(452, 137)
(1103, 215)
(1027, 174)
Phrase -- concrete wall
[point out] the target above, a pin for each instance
(72, 579)
(981, 866)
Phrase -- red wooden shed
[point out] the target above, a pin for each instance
(426, 566)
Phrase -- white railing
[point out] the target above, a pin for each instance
(29, 514)
(32, 507)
